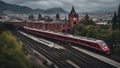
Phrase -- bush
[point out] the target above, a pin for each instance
(85, 30)
(117, 50)
(11, 52)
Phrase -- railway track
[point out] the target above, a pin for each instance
(59, 56)
(86, 59)
(46, 51)
(89, 61)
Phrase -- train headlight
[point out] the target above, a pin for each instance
(106, 47)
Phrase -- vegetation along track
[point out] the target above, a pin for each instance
(59, 56)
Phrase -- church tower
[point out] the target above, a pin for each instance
(39, 16)
(73, 17)
(31, 17)
(86, 17)
(57, 16)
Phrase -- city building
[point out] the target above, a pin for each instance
(54, 24)
(57, 24)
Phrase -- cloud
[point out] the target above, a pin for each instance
(80, 5)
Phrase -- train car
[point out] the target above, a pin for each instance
(89, 42)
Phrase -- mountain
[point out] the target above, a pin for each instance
(15, 8)
(26, 10)
(36, 11)
(55, 10)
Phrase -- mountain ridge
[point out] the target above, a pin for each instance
(27, 10)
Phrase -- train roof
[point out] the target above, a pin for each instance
(67, 35)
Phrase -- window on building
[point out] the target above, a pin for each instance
(63, 30)
(68, 30)
(74, 23)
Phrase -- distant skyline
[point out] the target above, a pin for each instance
(79, 5)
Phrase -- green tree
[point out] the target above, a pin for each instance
(78, 28)
(111, 37)
(114, 19)
(92, 31)
(11, 52)
(2, 28)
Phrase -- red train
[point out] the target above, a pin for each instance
(89, 42)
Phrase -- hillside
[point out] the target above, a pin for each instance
(26, 10)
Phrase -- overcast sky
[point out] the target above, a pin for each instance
(79, 5)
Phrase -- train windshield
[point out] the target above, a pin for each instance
(103, 43)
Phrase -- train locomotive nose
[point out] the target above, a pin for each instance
(106, 49)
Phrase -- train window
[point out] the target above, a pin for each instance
(103, 43)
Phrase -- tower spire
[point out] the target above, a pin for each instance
(119, 11)
(86, 16)
(57, 16)
(31, 17)
(73, 10)
(114, 19)
(39, 16)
